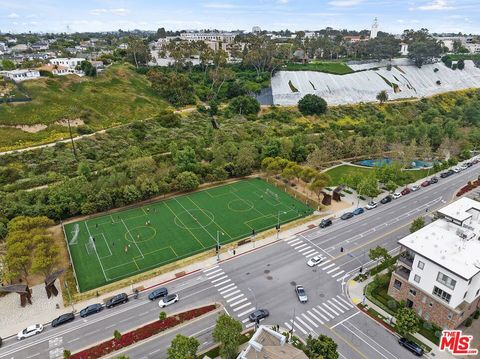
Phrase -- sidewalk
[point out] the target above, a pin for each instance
(355, 292)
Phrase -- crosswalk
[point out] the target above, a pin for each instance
(309, 250)
(308, 321)
(240, 305)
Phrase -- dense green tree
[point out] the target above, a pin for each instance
(8, 65)
(379, 254)
(138, 52)
(382, 96)
(183, 347)
(368, 186)
(320, 181)
(322, 347)
(407, 321)
(161, 33)
(227, 332)
(244, 105)
(312, 105)
(174, 87)
(186, 181)
(88, 68)
(384, 47)
(186, 159)
(424, 51)
(417, 224)
(45, 255)
(461, 64)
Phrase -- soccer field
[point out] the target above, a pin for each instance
(115, 246)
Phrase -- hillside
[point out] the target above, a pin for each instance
(118, 95)
(401, 82)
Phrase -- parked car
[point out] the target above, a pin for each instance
(169, 299)
(158, 293)
(425, 183)
(451, 172)
(415, 188)
(325, 223)
(444, 174)
(0, 342)
(463, 167)
(456, 169)
(258, 314)
(475, 161)
(412, 346)
(405, 191)
(396, 195)
(469, 164)
(302, 296)
(312, 262)
(358, 211)
(386, 200)
(91, 309)
(371, 205)
(116, 300)
(347, 215)
(433, 180)
(63, 319)
(30, 331)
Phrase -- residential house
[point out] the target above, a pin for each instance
(21, 75)
(70, 62)
(355, 38)
(438, 272)
(266, 343)
(20, 48)
(403, 49)
(227, 37)
(40, 46)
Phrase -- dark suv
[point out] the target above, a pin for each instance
(158, 293)
(258, 314)
(413, 347)
(118, 299)
(386, 200)
(325, 223)
(91, 309)
(64, 318)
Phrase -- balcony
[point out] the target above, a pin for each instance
(406, 259)
(403, 272)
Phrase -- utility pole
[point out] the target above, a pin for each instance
(218, 246)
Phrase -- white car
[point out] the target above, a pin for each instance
(415, 188)
(167, 300)
(30, 331)
(463, 167)
(456, 169)
(396, 195)
(312, 262)
(302, 296)
(371, 205)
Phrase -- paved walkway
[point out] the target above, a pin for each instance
(355, 292)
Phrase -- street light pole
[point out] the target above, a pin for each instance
(218, 245)
(278, 223)
(254, 298)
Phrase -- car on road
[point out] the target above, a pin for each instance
(347, 215)
(371, 205)
(168, 300)
(475, 161)
(325, 223)
(91, 309)
(444, 174)
(258, 315)
(412, 346)
(116, 300)
(433, 180)
(396, 195)
(464, 167)
(451, 172)
(456, 169)
(302, 296)
(386, 200)
(63, 319)
(415, 188)
(158, 293)
(358, 211)
(426, 183)
(30, 331)
(312, 262)
(405, 191)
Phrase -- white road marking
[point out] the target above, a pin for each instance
(330, 309)
(215, 275)
(304, 249)
(332, 270)
(304, 324)
(311, 321)
(341, 304)
(308, 252)
(320, 314)
(289, 327)
(245, 312)
(210, 269)
(338, 273)
(232, 293)
(245, 320)
(225, 281)
(329, 266)
(238, 302)
(227, 288)
(236, 296)
(311, 254)
(298, 327)
(323, 263)
(327, 313)
(215, 271)
(314, 316)
(344, 320)
(300, 246)
(336, 306)
(343, 278)
(242, 306)
(344, 301)
(219, 279)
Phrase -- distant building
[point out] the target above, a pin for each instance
(374, 31)
(40, 46)
(256, 29)
(21, 75)
(403, 49)
(19, 48)
(438, 272)
(70, 62)
(227, 37)
(355, 38)
(266, 343)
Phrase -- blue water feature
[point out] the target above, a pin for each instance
(385, 161)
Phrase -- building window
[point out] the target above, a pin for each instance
(397, 284)
(424, 299)
(413, 292)
(450, 316)
(420, 264)
(430, 304)
(465, 294)
(427, 316)
(442, 294)
(417, 278)
(446, 280)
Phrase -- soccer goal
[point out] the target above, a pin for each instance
(75, 232)
(272, 194)
(90, 245)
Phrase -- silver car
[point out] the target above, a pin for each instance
(302, 296)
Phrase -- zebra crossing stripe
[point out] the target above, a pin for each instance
(245, 312)
(343, 278)
(340, 304)
(236, 297)
(249, 325)
(298, 327)
(294, 241)
(289, 327)
(219, 279)
(216, 275)
(330, 309)
(338, 273)
(329, 266)
(335, 306)
(344, 301)
(320, 314)
(332, 270)
(232, 293)
(214, 271)
(304, 249)
(304, 324)
(323, 263)
(311, 254)
(242, 306)
(308, 252)
(323, 310)
(245, 320)
(225, 281)
(229, 287)
(300, 246)
(210, 269)
(238, 302)
(311, 321)
(314, 316)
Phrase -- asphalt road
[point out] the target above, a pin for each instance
(266, 278)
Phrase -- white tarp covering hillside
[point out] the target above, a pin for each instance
(365, 85)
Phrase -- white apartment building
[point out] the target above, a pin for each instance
(70, 62)
(209, 36)
(438, 274)
(21, 75)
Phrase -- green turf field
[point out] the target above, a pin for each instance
(115, 246)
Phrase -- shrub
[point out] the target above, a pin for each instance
(454, 66)
(392, 304)
(476, 314)
(439, 82)
(312, 105)
(162, 316)
(66, 354)
(244, 105)
(435, 69)
(438, 333)
(117, 335)
(427, 325)
(461, 64)
(468, 322)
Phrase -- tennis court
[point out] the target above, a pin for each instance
(107, 248)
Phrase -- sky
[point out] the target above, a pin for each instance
(106, 15)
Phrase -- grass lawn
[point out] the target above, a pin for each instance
(337, 173)
(117, 95)
(474, 57)
(338, 68)
(135, 240)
